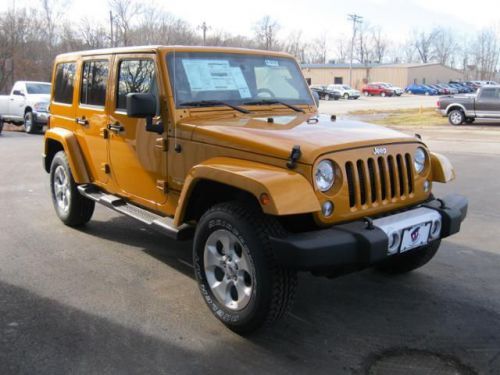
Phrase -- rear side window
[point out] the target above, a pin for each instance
(488, 93)
(64, 83)
(94, 80)
(135, 76)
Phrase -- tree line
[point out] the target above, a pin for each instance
(30, 38)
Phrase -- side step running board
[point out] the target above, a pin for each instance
(162, 224)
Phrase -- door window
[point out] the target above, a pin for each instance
(94, 80)
(135, 76)
(64, 83)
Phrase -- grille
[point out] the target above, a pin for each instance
(379, 179)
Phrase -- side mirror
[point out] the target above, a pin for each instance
(316, 98)
(17, 92)
(144, 106)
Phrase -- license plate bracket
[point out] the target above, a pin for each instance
(415, 236)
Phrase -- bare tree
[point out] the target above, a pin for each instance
(266, 30)
(379, 44)
(318, 50)
(124, 11)
(444, 46)
(423, 43)
(485, 53)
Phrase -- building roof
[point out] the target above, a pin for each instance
(369, 65)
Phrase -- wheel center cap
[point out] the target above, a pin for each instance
(231, 269)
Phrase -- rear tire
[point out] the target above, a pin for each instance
(406, 262)
(346, 96)
(327, 97)
(456, 117)
(1, 125)
(71, 207)
(382, 94)
(237, 274)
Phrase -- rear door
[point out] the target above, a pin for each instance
(92, 116)
(138, 158)
(488, 102)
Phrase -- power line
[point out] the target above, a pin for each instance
(356, 19)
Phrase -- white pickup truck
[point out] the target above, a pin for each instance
(26, 105)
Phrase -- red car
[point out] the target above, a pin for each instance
(375, 89)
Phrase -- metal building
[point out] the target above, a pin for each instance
(398, 74)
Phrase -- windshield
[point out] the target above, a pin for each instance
(38, 88)
(235, 78)
(347, 87)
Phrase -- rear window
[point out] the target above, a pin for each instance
(94, 80)
(38, 88)
(64, 83)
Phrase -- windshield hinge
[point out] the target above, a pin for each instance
(294, 156)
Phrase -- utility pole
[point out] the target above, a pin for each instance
(356, 19)
(111, 28)
(204, 28)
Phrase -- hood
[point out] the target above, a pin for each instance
(276, 135)
(45, 98)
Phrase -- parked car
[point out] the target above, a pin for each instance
(325, 93)
(466, 108)
(263, 183)
(26, 105)
(451, 90)
(420, 90)
(371, 89)
(398, 91)
(346, 91)
(440, 90)
(462, 89)
(474, 85)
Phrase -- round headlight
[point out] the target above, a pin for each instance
(324, 175)
(419, 160)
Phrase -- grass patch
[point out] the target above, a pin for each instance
(410, 116)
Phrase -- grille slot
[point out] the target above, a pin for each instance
(373, 181)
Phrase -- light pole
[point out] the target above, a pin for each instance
(355, 20)
(204, 28)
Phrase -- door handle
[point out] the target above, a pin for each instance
(116, 127)
(82, 121)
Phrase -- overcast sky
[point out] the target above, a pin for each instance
(314, 17)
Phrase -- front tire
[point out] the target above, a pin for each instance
(346, 96)
(237, 274)
(71, 207)
(456, 117)
(29, 123)
(327, 97)
(382, 94)
(406, 262)
(1, 125)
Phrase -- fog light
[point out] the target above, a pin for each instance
(436, 229)
(327, 208)
(427, 186)
(393, 242)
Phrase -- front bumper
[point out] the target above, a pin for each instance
(356, 244)
(41, 117)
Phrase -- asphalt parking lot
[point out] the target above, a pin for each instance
(115, 298)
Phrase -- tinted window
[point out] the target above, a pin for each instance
(64, 83)
(490, 93)
(38, 88)
(135, 76)
(94, 79)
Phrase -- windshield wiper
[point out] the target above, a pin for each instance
(272, 101)
(212, 103)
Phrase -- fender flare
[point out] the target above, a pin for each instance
(441, 168)
(452, 105)
(290, 192)
(69, 143)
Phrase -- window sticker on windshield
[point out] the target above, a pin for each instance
(274, 63)
(215, 75)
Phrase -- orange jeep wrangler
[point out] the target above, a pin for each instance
(226, 146)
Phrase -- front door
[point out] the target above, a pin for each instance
(92, 116)
(488, 102)
(137, 157)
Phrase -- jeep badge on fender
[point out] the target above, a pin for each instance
(234, 166)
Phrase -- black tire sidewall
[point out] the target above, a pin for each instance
(33, 126)
(257, 308)
(60, 160)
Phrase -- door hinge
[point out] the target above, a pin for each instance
(104, 132)
(161, 144)
(161, 185)
(105, 168)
